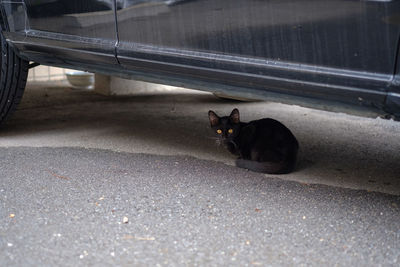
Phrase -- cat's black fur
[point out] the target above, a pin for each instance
(264, 145)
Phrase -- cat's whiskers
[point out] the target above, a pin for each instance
(217, 140)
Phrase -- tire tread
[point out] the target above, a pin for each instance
(14, 72)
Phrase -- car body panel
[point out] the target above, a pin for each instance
(67, 30)
(342, 52)
(342, 34)
(338, 50)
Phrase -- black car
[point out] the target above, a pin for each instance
(331, 54)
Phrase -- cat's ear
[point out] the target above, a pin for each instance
(235, 117)
(214, 119)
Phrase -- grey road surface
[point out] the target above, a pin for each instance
(93, 180)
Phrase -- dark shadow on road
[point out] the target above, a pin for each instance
(334, 151)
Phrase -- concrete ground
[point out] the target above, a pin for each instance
(90, 179)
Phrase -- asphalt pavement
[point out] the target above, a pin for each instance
(94, 180)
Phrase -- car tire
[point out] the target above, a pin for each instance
(13, 75)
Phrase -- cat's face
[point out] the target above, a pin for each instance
(225, 128)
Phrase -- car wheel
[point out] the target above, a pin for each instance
(13, 75)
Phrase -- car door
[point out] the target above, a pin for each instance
(70, 30)
(341, 50)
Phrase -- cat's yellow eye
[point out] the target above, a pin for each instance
(219, 131)
(230, 131)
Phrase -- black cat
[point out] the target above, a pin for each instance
(264, 145)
